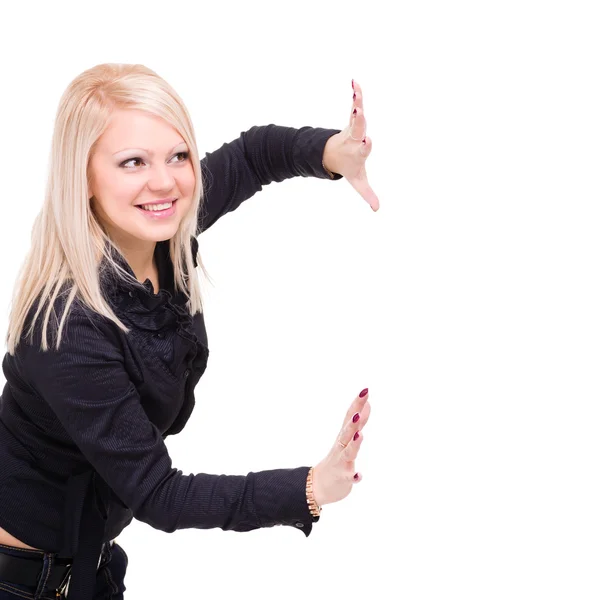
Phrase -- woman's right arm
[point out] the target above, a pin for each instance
(86, 385)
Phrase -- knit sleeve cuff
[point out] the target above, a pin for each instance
(308, 148)
(280, 498)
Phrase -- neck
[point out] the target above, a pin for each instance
(140, 257)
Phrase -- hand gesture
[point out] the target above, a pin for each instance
(335, 475)
(346, 152)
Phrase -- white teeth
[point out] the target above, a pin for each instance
(152, 207)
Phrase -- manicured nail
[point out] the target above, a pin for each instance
(356, 476)
(354, 112)
(354, 96)
(353, 84)
(364, 393)
(364, 140)
(355, 418)
(356, 436)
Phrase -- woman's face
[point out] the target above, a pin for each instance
(140, 159)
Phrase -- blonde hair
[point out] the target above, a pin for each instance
(67, 240)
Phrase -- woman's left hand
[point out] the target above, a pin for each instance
(346, 152)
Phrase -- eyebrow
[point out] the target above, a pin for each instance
(149, 152)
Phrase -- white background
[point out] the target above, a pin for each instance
(469, 304)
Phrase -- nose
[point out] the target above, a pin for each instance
(160, 179)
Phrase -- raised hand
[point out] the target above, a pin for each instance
(346, 152)
(335, 475)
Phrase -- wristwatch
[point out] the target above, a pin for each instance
(315, 510)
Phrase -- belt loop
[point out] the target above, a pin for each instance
(44, 575)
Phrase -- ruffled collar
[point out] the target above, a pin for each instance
(138, 303)
(117, 289)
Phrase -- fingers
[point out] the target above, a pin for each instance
(357, 405)
(358, 125)
(350, 452)
(366, 147)
(366, 191)
(354, 424)
(351, 436)
(357, 99)
(357, 131)
(364, 415)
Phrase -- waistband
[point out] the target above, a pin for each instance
(31, 553)
(24, 566)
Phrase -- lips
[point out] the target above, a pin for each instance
(163, 201)
(140, 206)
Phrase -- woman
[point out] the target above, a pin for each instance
(107, 340)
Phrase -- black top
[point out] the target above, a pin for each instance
(82, 429)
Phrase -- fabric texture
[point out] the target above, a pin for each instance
(82, 429)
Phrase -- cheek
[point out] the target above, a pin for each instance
(187, 182)
(120, 192)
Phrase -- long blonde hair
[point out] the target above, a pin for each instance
(67, 241)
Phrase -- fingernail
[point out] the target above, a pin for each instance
(355, 436)
(364, 140)
(364, 393)
(355, 418)
(354, 96)
(354, 112)
(353, 84)
(356, 476)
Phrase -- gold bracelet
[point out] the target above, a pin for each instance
(315, 510)
(331, 175)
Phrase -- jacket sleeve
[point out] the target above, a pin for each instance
(261, 155)
(86, 385)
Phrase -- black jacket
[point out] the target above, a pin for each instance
(82, 429)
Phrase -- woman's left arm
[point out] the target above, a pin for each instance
(263, 154)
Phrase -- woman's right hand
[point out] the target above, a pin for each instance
(335, 475)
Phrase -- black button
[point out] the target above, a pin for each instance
(160, 335)
(131, 294)
(187, 372)
(299, 524)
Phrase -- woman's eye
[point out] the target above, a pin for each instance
(138, 159)
(128, 161)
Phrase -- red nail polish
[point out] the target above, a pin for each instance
(355, 418)
(353, 84)
(364, 392)
(356, 436)
(356, 476)
(364, 140)
(354, 112)
(354, 96)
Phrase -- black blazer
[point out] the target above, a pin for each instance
(82, 429)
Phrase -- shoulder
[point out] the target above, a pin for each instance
(79, 323)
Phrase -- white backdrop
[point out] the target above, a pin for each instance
(469, 304)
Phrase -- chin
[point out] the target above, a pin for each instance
(155, 236)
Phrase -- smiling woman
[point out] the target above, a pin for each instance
(107, 339)
(130, 180)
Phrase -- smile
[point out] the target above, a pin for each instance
(158, 210)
